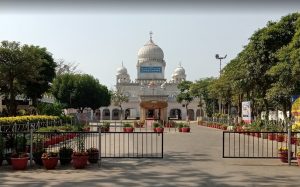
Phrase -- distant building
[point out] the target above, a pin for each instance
(151, 95)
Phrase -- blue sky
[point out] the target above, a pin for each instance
(100, 41)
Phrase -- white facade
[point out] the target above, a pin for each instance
(151, 95)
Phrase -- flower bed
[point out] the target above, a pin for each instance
(26, 119)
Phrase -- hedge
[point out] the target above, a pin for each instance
(25, 119)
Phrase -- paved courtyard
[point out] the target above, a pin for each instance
(193, 159)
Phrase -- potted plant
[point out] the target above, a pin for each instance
(127, 127)
(93, 155)
(186, 128)
(283, 154)
(19, 160)
(105, 126)
(50, 160)
(179, 126)
(38, 150)
(280, 137)
(80, 157)
(158, 127)
(37, 156)
(65, 155)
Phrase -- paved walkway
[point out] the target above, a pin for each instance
(193, 159)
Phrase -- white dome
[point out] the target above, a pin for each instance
(151, 51)
(121, 71)
(179, 71)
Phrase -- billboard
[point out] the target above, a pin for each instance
(246, 111)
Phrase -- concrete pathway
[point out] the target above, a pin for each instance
(193, 159)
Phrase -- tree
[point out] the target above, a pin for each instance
(200, 89)
(118, 98)
(20, 66)
(66, 67)
(185, 96)
(80, 91)
(286, 74)
(253, 75)
(36, 87)
(64, 88)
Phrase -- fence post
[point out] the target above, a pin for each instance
(289, 126)
(99, 133)
(31, 143)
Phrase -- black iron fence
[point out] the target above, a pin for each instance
(107, 144)
(258, 144)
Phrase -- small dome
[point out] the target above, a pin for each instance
(179, 71)
(151, 51)
(121, 71)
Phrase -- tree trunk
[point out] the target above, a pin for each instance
(12, 107)
(284, 110)
(267, 109)
(187, 112)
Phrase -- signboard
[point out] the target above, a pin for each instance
(150, 69)
(246, 111)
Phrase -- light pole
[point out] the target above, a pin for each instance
(220, 58)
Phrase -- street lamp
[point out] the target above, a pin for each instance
(220, 58)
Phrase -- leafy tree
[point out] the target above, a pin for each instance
(80, 91)
(118, 98)
(20, 67)
(286, 74)
(200, 89)
(64, 88)
(185, 96)
(253, 75)
(36, 87)
(90, 93)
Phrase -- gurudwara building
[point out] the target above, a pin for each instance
(151, 95)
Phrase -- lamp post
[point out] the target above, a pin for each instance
(220, 58)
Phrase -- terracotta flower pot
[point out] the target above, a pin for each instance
(159, 129)
(186, 129)
(283, 156)
(50, 163)
(19, 163)
(79, 162)
(180, 129)
(128, 129)
(280, 138)
(271, 136)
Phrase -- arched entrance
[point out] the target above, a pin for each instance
(116, 114)
(106, 114)
(154, 110)
(175, 113)
(97, 114)
(191, 114)
(127, 113)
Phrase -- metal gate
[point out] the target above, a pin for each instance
(263, 145)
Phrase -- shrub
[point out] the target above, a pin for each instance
(127, 125)
(25, 119)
